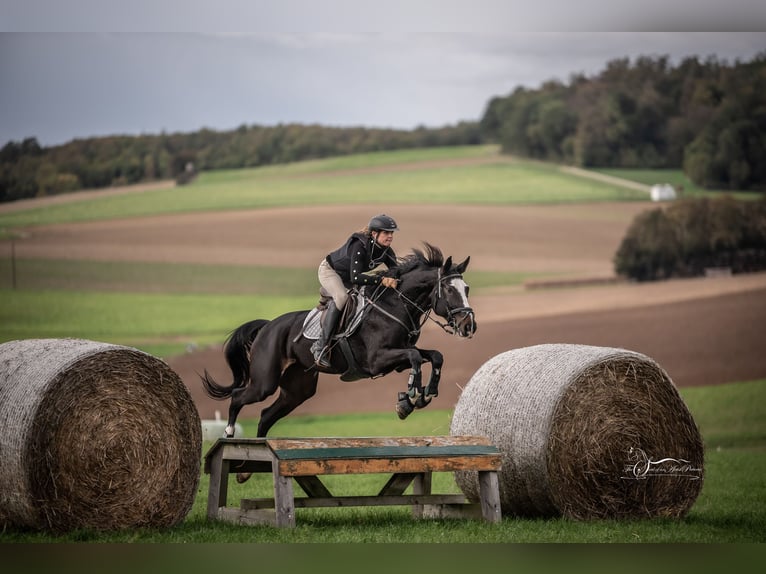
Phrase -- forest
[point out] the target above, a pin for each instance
(705, 117)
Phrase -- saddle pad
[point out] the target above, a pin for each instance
(312, 326)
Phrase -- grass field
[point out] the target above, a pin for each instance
(496, 180)
(729, 509)
(674, 177)
(158, 308)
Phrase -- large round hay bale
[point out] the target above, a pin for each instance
(585, 432)
(95, 436)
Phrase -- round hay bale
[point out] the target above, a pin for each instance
(94, 435)
(585, 432)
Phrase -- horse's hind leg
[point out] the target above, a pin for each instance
(297, 385)
(239, 398)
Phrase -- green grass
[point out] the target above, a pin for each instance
(159, 323)
(501, 182)
(729, 509)
(145, 277)
(674, 177)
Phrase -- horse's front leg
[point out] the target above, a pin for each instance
(388, 360)
(406, 401)
(432, 389)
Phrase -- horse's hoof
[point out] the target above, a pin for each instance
(403, 406)
(243, 476)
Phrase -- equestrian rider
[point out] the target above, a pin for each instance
(359, 262)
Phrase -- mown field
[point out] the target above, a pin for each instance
(169, 306)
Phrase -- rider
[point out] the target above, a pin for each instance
(358, 261)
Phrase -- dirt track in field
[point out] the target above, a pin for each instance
(702, 331)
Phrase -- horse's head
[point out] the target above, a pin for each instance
(450, 298)
(432, 281)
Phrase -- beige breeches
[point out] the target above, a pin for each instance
(333, 284)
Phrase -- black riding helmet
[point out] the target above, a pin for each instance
(382, 222)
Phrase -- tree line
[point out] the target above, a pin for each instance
(29, 170)
(706, 117)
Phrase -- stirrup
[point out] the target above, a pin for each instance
(321, 355)
(323, 360)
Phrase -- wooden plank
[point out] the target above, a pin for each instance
(251, 517)
(461, 511)
(247, 452)
(222, 443)
(352, 442)
(349, 452)
(348, 501)
(397, 484)
(312, 486)
(392, 465)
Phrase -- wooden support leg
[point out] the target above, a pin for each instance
(421, 485)
(489, 494)
(284, 500)
(219, 485)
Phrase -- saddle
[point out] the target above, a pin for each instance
(351, 317)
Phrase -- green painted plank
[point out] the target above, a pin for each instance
(384, 452)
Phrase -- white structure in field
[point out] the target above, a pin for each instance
(663, 192)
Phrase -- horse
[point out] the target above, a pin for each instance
(267, 355)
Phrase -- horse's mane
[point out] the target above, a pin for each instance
(431, 256)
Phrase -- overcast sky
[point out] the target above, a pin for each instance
(69, 74)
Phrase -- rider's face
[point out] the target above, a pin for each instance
(383, 238)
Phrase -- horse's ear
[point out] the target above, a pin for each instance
(463, 266)
(447, 265)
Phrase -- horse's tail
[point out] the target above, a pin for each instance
(237, 353)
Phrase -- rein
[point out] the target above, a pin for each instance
(413, 330)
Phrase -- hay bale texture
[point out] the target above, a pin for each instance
(585, 432)
(94, 435)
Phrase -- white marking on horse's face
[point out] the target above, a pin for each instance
(465, 326)
(462, 288)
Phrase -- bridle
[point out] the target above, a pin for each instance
(436, 295)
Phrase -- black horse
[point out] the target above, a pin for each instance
(268, 355)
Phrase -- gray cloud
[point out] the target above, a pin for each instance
(58, 86)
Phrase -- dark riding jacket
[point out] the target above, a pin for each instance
(358, 255)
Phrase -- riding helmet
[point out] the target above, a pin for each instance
(382, 222)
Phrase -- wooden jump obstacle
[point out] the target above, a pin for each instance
(409, 460)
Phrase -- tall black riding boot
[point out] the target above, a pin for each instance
(320, 348)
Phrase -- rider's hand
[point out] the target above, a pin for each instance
(388, 282)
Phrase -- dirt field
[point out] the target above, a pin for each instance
(702, 331)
